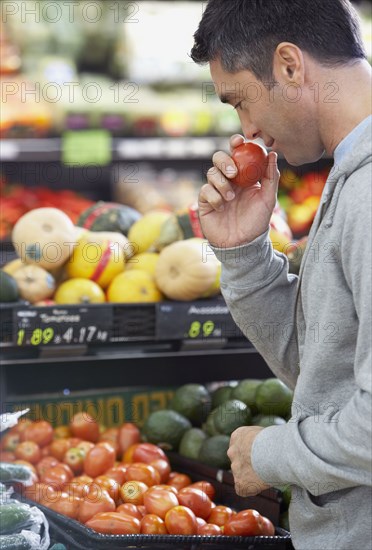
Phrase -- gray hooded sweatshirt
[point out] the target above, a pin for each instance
(314, 331)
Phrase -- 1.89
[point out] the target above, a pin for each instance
(38, 336)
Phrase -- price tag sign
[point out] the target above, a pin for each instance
(87, 147)
(202, 320)
(50, 326)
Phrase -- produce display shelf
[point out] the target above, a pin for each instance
(76, 536)
(50, 149)
(133, 148)
(27, 326)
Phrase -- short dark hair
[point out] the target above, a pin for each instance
(243, 34)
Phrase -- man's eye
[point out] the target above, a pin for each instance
(238, 105)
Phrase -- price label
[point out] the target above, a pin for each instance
(87, 147)
(62, 326)
(202, 320)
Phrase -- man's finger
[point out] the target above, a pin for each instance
(235, 141)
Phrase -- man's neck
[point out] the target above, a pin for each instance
(346, 103)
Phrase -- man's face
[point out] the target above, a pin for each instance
(284, 117)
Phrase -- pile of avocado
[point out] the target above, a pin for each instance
(198, 423)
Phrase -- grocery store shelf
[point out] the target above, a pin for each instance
(44, 150)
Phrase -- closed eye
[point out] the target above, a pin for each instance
(238, 105)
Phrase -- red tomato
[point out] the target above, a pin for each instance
(251, 161)
(74, 441)
(79, 486)
(21, 425)
(40, 432)
(7, 456)
(152, 525)
(128, 435)
(167, 488)
(128, 455)
(131, 509)
(10, 441)
(66, 504)
(112, 436)
(116, 473)
(83, 425)
(179, 481)
(206, 487)
(195, 499)
(147, 452)
(142, 472)
(268, 528)
(95, 501)
(181, 521)
(163, 467)
(220, 515)
(58, 448)
(62, 432)
(142, 509)
(85, 446)
(247, 523)
(133, 491)
(114, 523)
(46, 463)
(28, 450)
(99, 459)
(200, 522)
(111, 486)
(159, 501)
(45, 451)
(210, 529)
(40, 492)
(74, 458)
(57, 477)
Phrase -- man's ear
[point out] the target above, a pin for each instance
(289, 64)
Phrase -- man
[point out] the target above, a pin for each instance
(296, 73)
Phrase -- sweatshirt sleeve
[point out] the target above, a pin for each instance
(261, 297)
(336, 451)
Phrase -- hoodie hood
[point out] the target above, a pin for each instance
(359, 155)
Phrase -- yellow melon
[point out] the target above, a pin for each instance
(187, 270)
(146, 261)
(146, 231)
(11, 267)
(34, 283)
(79, 291)
(45, 237)
(133, 286)
(96, 259)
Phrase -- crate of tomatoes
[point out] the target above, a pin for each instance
(110, 489)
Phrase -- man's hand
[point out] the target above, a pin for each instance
(247, 482)
(230, 215)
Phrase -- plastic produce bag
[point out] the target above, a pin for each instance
(22, 526)
(8, 420)
(16, 473)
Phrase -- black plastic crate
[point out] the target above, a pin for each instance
(76, 536)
